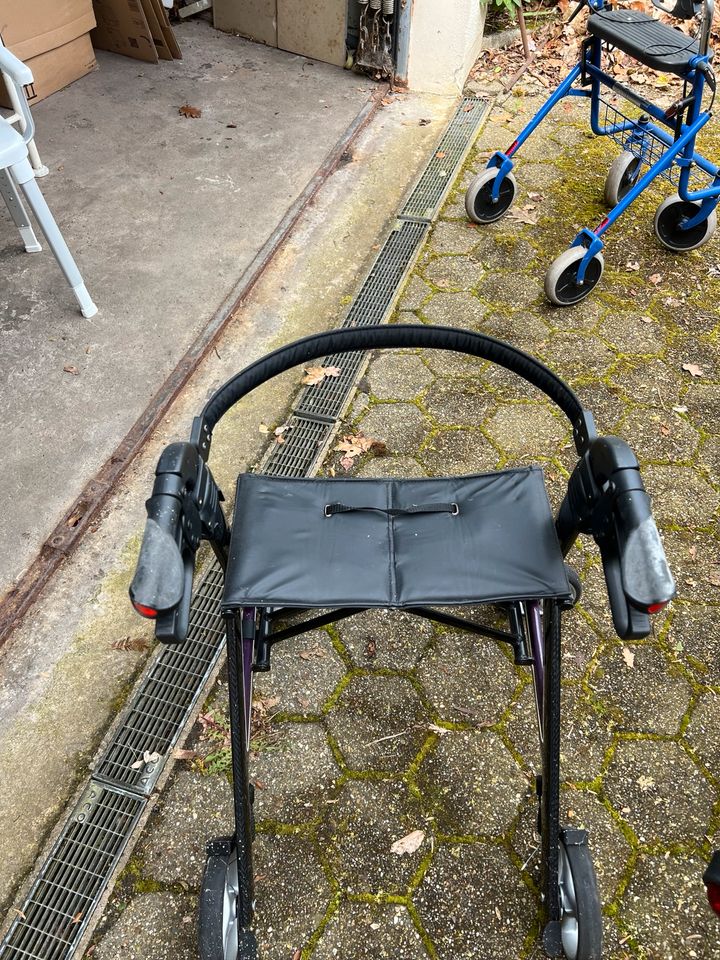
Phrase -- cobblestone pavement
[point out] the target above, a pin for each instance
(384, 724)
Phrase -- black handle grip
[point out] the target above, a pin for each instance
(183, 509)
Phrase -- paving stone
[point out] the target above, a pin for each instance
(651, 382)
(575, 358)
(694, 559)
(296, 777)
(454, 237)
(691, 638)
(585, 736)
(604, 403)
(648, 696)
(660, 436)
(680, 495)
(457, 452)
(368, 818)
(292, 894)
(305, 671)
(414, 294)
(387, 639)
(583, 316)
(379, 723)
(709, 459)
(400, 425)
(461, 310)
(513, 291)
(527, 430)
(454, 272)
(459, 402)
(466, 677)
(666, 910)
(506, 253)
(580, 643)
(390, 466)
(526, 332)
(154, 926)
(703, 403)
(657, 789)
(449, 363)
(521, 729)
(472, 784)
(703, 733)
(495, 908)
(609, 848)
(630, 333)
(402, 377)
(366, 931)
(193, 810)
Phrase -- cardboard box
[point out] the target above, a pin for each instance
(51, 37)
(123, 28)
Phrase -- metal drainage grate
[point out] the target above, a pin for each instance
(63, 897)
(327, 399)
(161, 705)
(382, 284)
(305, 442)
(430, 190)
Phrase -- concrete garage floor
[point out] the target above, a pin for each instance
(163, 215)
(70, 665)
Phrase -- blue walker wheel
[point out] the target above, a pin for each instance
(561, 281)
(669, 217)
(479, 204)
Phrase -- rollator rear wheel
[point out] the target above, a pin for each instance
(478, 202)
(561, 281)
(219, 934)
(622, 175)
(670, 215)
(581, 918)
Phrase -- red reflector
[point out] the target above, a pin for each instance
(145, 611)
(513, 148)
(655, 607)
(713, 895)
(601, 226)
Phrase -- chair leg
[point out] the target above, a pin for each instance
(24, 175)
(9, 193)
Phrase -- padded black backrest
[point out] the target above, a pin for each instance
(413, 336)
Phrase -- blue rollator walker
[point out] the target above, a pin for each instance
(657, 143)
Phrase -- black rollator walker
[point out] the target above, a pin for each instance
(420, 545)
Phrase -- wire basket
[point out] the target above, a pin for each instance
(648, 147)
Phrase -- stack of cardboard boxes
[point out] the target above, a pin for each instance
(53, 37)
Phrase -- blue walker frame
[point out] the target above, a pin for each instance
(680, 143)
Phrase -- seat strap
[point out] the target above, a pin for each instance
(451, 508)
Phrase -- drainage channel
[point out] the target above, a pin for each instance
(81, 862)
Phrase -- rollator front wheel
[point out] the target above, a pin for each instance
(622, 176)
(479, 204)
(581, 918)
(562, 286)
(669, 218)
(219, 933)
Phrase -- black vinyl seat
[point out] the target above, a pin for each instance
(487, 538)
(645, 39)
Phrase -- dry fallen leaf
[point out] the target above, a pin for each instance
(655, 278)
(69, 368)
(264, 428)
(147, 757)
(370, 649)
(645, 782)
(441, 731)
(78, 917)
(664, 429)
(181, 754)
(297, 954)
(693, 369)
(408, 844)
(628, 657)
(130, 643)
(441, 154)
(192, 112)
(315, 375)
(632, 265)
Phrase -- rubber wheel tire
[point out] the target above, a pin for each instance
(561, 286)
(218, 935)
(668, 217)
(581, 916)
(478, 205)
(623, 173)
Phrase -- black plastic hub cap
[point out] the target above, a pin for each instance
(569, 290)
(485, 210)
(669, 225)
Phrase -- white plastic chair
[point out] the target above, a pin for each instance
(17, 117)
(17, 174)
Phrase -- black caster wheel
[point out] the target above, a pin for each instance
(561, 281)
(581, 917)
(622, 176)
(669, 217)
(219, 934)
(478, 204)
